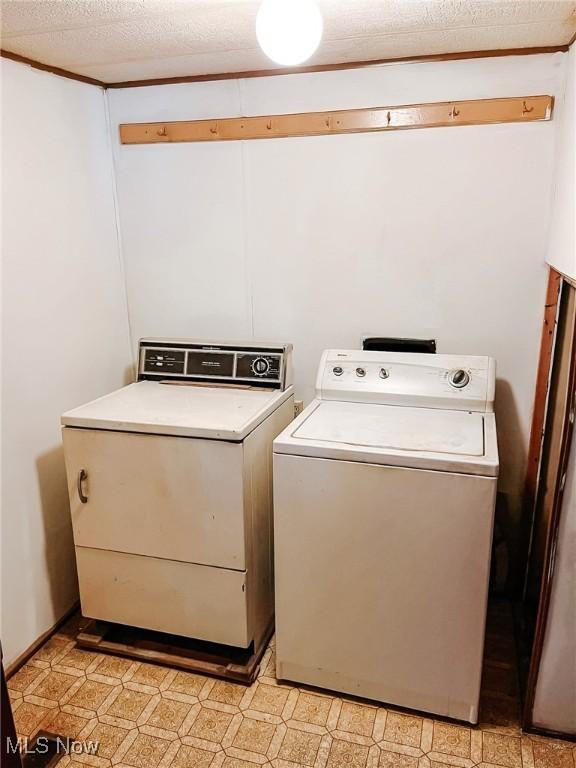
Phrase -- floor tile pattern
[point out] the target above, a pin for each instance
(146, 716)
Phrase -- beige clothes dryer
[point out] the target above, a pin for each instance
(384, 494)
(170, 483)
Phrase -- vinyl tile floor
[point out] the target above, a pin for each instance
(147, 716)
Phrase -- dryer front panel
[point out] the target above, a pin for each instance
(176, 498)
(164, 595)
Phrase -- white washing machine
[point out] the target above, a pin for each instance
(384, 495)
(170, 483)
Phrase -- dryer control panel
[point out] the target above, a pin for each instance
(252, 364)
(455, 382)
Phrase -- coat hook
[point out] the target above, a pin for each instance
(526, 109)
(162, 131)
(269, 125)
(214, 129)
(454, 112)
(388, 117)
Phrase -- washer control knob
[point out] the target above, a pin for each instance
(459, 378)
(384, 373)
(361, 372)
(337, 370)
(260, 366)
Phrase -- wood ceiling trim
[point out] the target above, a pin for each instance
(286, 70)
(345, 65)
(49, 68)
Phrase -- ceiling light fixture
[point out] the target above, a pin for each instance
(289, 31)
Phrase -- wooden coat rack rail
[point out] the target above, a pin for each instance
(518, 109)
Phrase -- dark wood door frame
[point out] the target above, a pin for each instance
(9, 739)
(541, 396)
(555, 401)
(543, 375)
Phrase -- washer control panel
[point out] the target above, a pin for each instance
(402, 378)
(253, 364)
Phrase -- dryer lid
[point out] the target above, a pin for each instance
(215, 412)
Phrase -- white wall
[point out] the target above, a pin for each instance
(432, 233)
(562, 245)
(64, 326)
(555, 699)
(314, 240)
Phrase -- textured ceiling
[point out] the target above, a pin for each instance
(118, 40)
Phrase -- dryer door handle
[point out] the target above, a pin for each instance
(82, 475)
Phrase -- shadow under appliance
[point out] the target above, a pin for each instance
(384, 494)
(170, 483)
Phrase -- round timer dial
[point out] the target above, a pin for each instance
(260, 366)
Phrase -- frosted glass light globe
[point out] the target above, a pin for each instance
(289, 31)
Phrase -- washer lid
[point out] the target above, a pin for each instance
(420, 438)
(404, 429)
(216, 412)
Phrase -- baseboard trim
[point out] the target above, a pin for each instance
(549, 733)
(26, 655)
